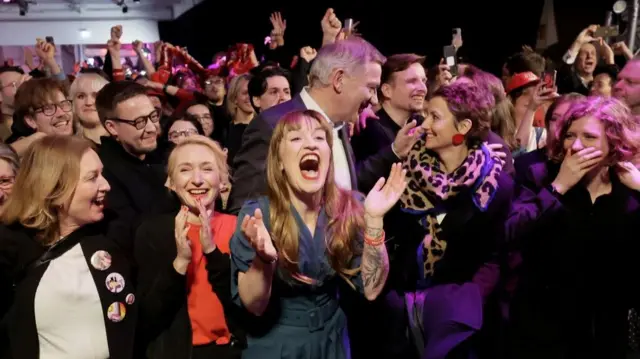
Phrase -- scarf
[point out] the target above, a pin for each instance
(429, 187)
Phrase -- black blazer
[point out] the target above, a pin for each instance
(164, 326)
(19, 250)
(249, 164)
(579, 268)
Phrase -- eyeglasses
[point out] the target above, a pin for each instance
(174, 135)
(50, 109)
(216, 82)
(201, 117)
(7, 182)
(141, 122)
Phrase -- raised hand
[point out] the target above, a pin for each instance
(116, 33)
(45, 50)
(256, 233)
(331, 25)
(137, 46)
(408, 135)
(385, 194)
(308, 53)
(279, 25)
(586, 35)
(621, 48)
(606, 52)
(542, 95)
(574, 167)
(114, 41)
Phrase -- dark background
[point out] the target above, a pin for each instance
(492, 30)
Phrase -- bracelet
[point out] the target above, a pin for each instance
(375, 242)
(164, 88)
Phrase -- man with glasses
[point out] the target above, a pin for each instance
(11, 78)
(136, 178)
(42, 107)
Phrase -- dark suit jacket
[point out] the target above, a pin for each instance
(249, 164)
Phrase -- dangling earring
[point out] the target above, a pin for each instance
(457, 139)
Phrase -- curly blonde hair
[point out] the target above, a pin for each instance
(621, 127)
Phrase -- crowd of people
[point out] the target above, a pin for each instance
(334, 204)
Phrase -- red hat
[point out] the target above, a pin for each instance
(520, 80)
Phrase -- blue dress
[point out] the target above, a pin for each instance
(302, 321)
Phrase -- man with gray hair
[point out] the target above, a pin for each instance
(343, 81)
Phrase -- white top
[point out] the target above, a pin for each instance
(340, 163)
(69, 315)
(533, 143)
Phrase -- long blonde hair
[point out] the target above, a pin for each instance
(345, 212)
(46, 182)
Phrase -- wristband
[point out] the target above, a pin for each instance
(164, 88)
(375, 242)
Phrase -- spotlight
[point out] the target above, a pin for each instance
(619, 7)
(125, 9)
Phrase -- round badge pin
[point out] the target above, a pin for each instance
(130, 298)
(101, 260)
(115, 282)
(116, 312)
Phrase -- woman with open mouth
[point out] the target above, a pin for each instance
(184, 256)
(296, 246)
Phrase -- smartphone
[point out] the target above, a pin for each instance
(549, 78)
(49, 39)
(449, 52)
(456, 31)
(606, 31)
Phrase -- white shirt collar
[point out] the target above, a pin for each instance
(311, 104)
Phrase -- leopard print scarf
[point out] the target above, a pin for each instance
(429, 187)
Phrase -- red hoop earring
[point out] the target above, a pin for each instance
(457, 139)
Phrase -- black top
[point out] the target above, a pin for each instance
(165, 327)
(137, 187)
(579, 268)
(19, 250)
